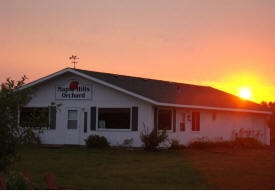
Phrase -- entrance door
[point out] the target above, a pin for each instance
(73, 126)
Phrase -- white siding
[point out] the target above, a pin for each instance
(222, 127)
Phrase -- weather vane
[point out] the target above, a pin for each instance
(74, 58)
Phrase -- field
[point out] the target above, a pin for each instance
(81, 168)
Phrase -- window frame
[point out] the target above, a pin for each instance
(172, 113)
(78, 118)
(109, 129)
(40, 107)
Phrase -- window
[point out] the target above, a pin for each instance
(164, 119)
(34, 117)
(195, 121)
(72, 119)
(114, 118)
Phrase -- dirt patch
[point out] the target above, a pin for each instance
(236, 169)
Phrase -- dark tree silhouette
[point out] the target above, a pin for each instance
(271, 121)
(10, 101)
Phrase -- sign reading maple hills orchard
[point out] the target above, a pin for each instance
(73, 90)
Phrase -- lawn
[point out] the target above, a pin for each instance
(236, 169)
(81, 168)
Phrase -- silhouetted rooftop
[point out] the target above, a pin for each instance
(175, 93)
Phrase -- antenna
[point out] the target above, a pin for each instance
(74, 58)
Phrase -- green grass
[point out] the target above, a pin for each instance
(79, 167)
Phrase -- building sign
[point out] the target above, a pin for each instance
(73, 90)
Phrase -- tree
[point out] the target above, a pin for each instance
(10, 101)
(271, 120)
(271, 106)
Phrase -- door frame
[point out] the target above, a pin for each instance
(78, 130)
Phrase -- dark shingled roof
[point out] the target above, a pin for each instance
(175, 93)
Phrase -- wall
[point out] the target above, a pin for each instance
(220, 128)
(101, 97)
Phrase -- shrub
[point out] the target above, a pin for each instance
(240, 142)
(175, 145)
(209, 144)
(153, 139)
(29, 137)
(96, 141)
(243, 133)
(16, 181)
(247, 142)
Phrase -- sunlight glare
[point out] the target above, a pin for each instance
(245, 93)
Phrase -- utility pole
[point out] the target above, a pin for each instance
(74, 58)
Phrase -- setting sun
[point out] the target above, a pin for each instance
(245, 93)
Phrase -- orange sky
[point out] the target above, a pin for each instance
(228, 44)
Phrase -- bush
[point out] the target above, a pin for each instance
(175, 145)
(29, 137)
(243, 133)
(16, 181)
(209, 144)
(153, 139)
(247, 142)
(96, 141)
(240, 142)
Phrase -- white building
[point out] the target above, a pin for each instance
(120, 107)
